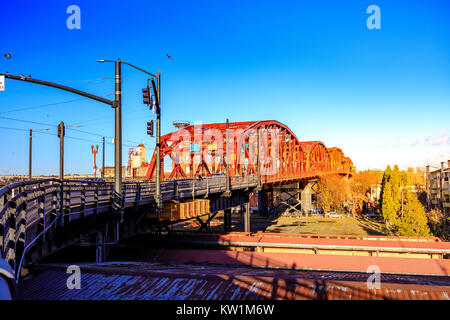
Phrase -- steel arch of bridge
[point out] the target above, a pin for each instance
(201, 149)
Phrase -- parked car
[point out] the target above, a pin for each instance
(333, 214)
(372, 215)
(95, 180)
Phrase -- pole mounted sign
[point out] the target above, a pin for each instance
(2, 83)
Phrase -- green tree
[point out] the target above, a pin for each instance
(413, 222)
(386, 177)
(387, 206)
(396, 187)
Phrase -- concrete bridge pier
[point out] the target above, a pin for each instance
(227, 220)
(99, 249)
(262, 202)
(306, 200)
(105, 239)
(247, 217)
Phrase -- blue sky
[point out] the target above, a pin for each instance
(381, 95)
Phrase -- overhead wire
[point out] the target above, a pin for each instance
(70, 137)
(48, 104)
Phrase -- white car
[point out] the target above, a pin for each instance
(333, 214)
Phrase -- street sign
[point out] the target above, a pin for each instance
(2, 83)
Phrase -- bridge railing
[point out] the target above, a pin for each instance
(30, 209)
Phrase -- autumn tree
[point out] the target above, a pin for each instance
(362, 181)
(324, 200)
(438, 223)
(413, 222)
(332, 192)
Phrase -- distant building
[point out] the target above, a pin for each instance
(438, 187)
(109, 171)
(136, 166)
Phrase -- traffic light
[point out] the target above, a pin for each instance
(150, 128)
(61, 130)
(146, 96)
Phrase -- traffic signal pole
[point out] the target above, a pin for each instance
(118, 131)
(31, 154)
(158, 143)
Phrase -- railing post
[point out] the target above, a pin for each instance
(96, 199)
(83, 201)
(20, 228)
(68, 204)
(138, 194)
(11, 235)
(41, 212)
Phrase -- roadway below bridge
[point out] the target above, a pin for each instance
(258, 266)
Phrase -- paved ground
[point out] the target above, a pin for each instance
(305, 225)
(348, 226)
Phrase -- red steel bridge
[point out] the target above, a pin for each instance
(282, 156)
(223, 163)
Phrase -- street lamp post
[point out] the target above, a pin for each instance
(118, 130)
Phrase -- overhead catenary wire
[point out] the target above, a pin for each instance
(67, 127)
(47, 105)
(70, 137)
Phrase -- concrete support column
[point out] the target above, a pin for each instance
(306, 202)
(262, 202)
(227, 220)
(247, 217)
(99, 256)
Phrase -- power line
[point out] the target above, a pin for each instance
(47, 105)
(106, 117)
(40, 106)
(74, 138)
(100, 135)
(28, 121)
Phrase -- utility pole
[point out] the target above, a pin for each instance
(103, 160)
(30, 154)
(61, 134)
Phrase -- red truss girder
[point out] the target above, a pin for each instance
(201, 150)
